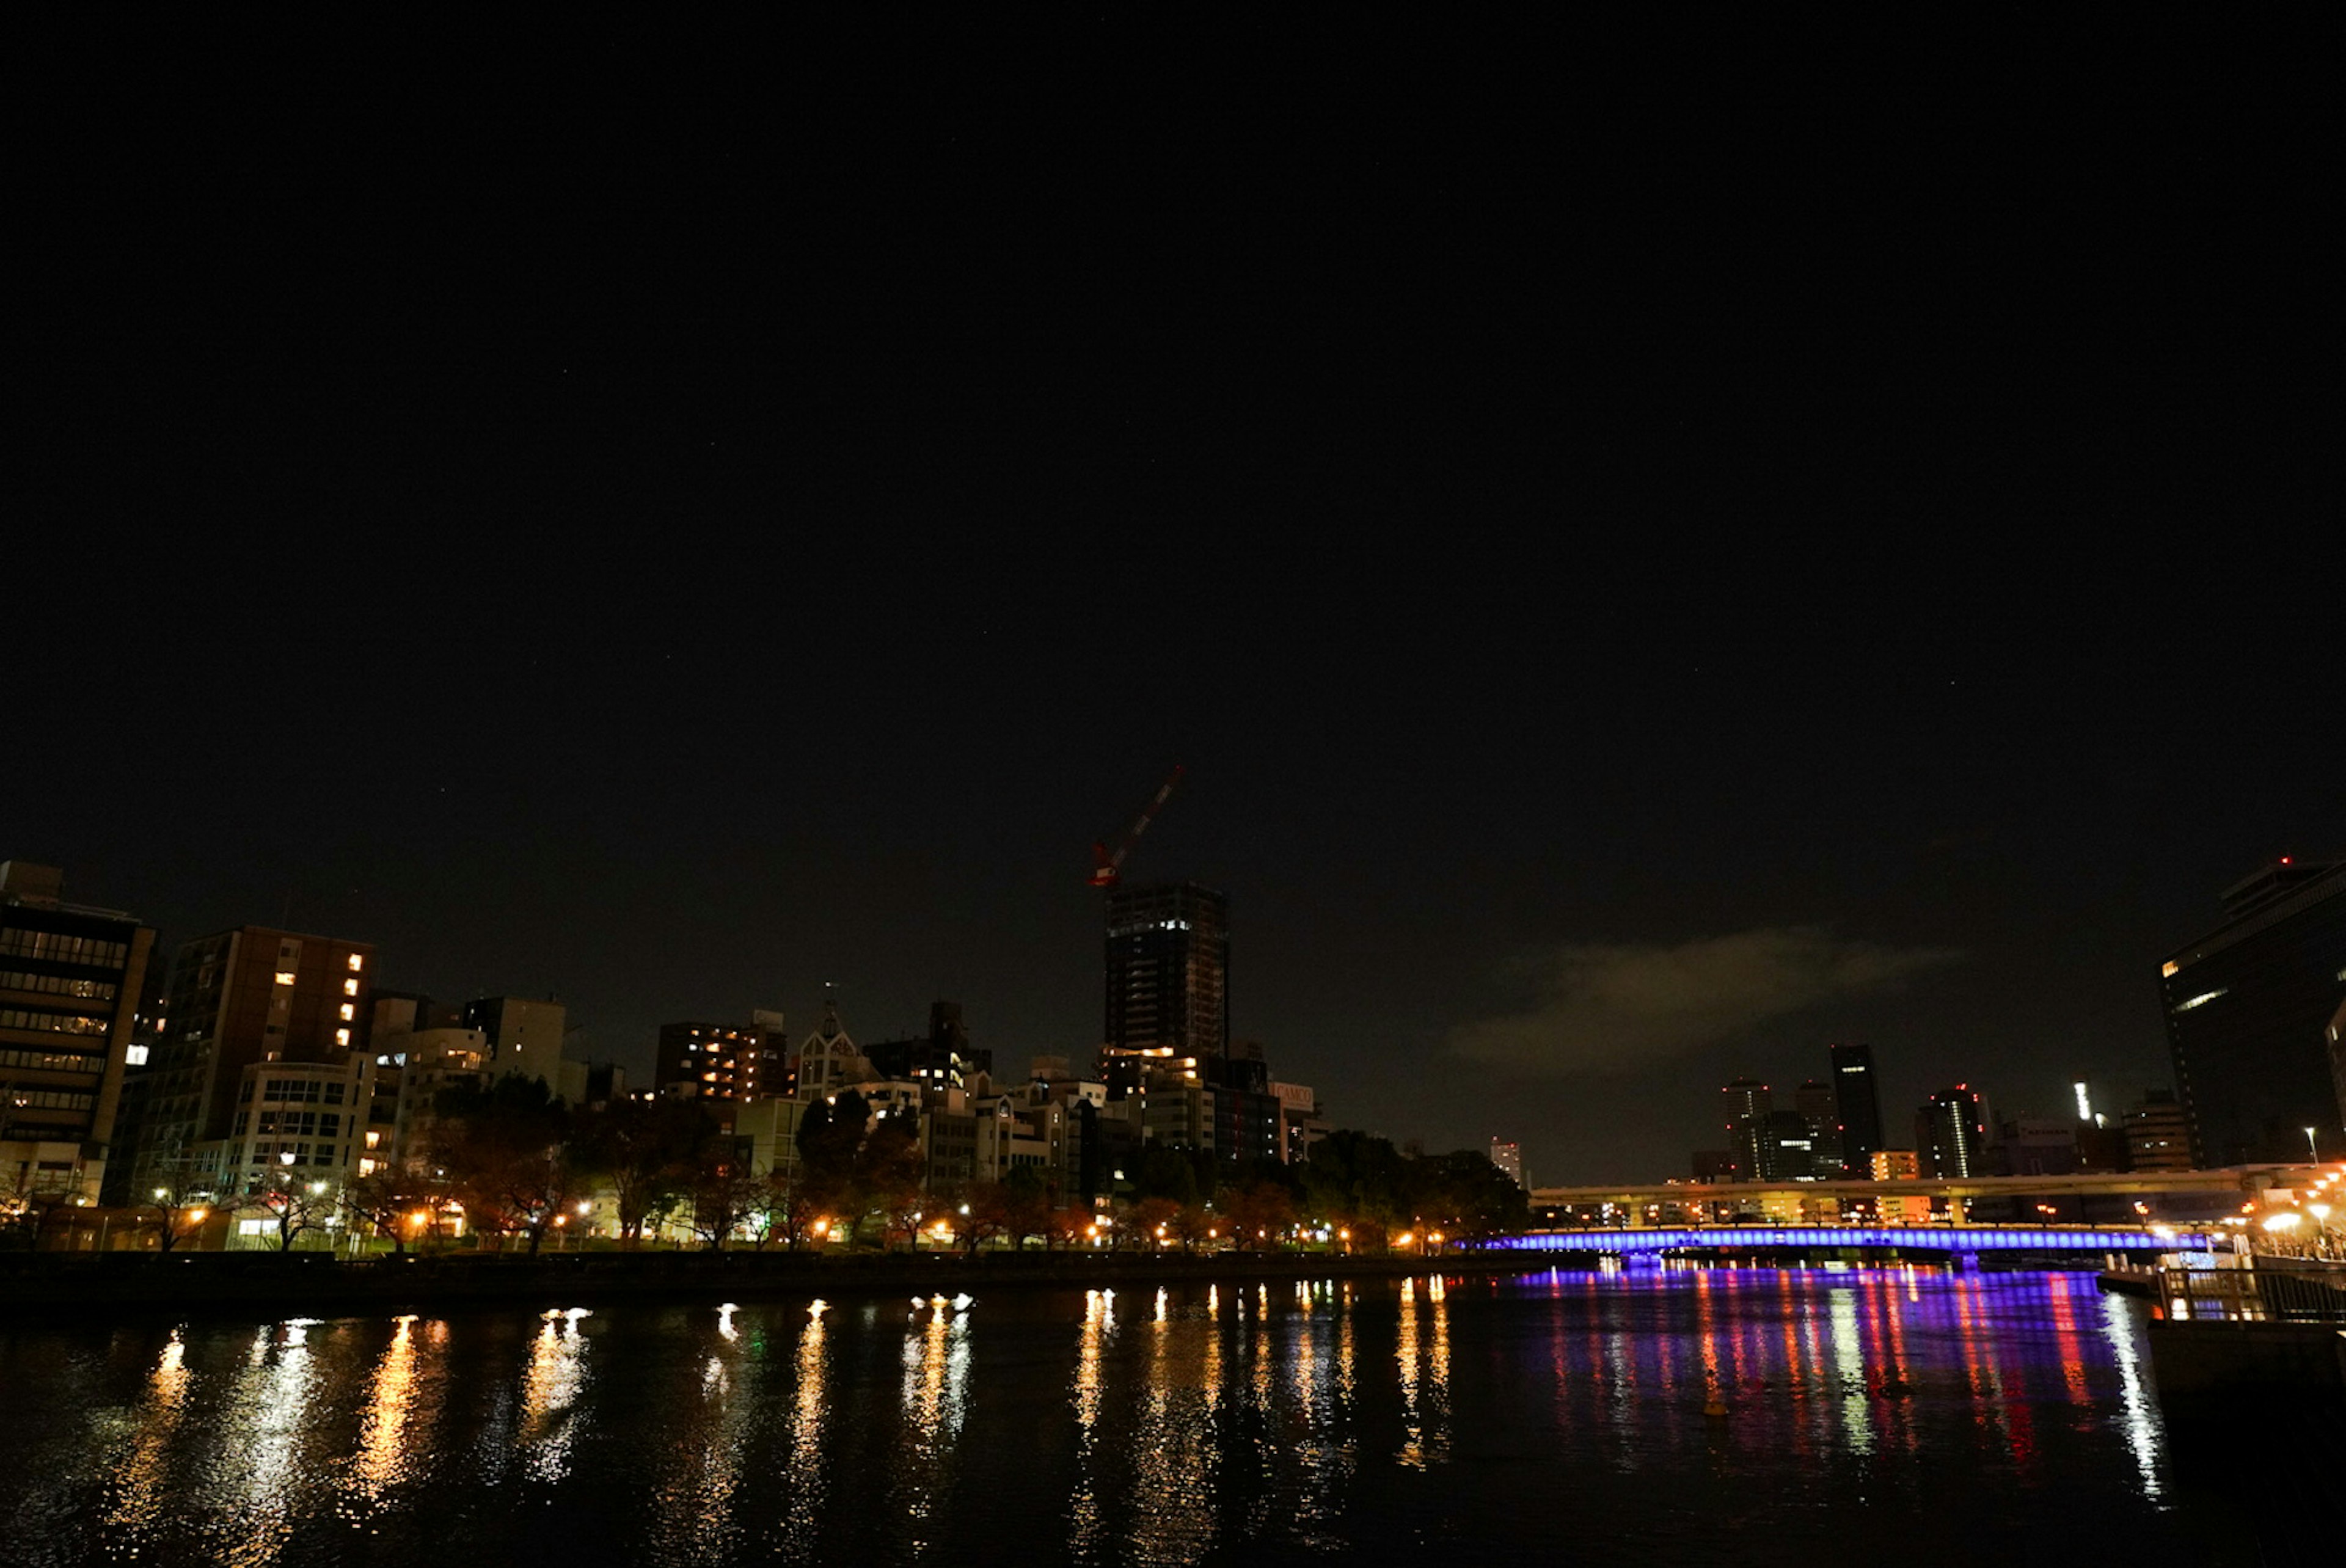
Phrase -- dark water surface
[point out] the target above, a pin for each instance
(1873, 1416)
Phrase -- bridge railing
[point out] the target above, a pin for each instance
(2253, 1295)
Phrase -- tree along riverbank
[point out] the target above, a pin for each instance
(136, 1284)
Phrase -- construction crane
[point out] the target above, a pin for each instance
(1106, 863)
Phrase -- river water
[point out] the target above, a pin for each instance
(1871, 1415)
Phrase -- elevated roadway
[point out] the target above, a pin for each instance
(2237, 1182)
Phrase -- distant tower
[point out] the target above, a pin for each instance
(1168, 958)
(1820, 1108)
(1749, 1101)
(1509, 1157)
(1858, 1096)
(1951, 1134)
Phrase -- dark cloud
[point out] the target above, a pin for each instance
(1615, 1008)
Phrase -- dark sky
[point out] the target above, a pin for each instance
(1649, 573)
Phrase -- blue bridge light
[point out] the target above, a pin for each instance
(1911, 1239)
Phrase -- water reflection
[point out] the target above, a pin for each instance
(935, 1399)
(139, 1502)
(694, 1520)
(390, 1430)
(558, 1372)
(1195, 1422)
(1084, 1506)
(1849, 1374)
(1425, 1376)
(1173, 1438)
(280, 1385)
(2141, 1430)
(809, 1406)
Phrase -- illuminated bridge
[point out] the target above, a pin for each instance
(1955, 1238)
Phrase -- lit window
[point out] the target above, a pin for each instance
(2169, 968)
(342, 1036)
(350, 988)
(2201, 1000)
(357, 964)
(366, 1167)
(350, 1011)
(136, 1056)
(374, 1139)
(284, 977)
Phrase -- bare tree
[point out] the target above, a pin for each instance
(294, 1204)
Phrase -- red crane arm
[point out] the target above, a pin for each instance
(1106, 863)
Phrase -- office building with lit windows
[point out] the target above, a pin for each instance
(1951, 1134)
(71, 979)
(1168, 956)
(240, 999)
(2247, 1009)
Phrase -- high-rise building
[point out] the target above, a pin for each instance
(1168, 954)
(1749, 1101)
(2248, 1007)
(1951, 1134)
(1858, 1096)
(1819, 1106)
(71, 979)
(1787, 1147)
(238, 998)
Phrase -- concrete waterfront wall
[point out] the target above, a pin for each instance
(2200, 1357)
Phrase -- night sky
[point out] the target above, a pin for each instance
(1649, 573)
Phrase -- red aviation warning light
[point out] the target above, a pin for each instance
(1107, 863)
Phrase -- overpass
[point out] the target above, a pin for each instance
(1960, 1239)
(2236, 1183)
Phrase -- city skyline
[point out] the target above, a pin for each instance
(1823, 1064)
(1580, 552)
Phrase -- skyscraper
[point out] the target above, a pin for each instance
(1819, 1107)
(2247, 1008)
(1859, 1098)
(1749, 1101)
(1951, 1134)
(1168, 954)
